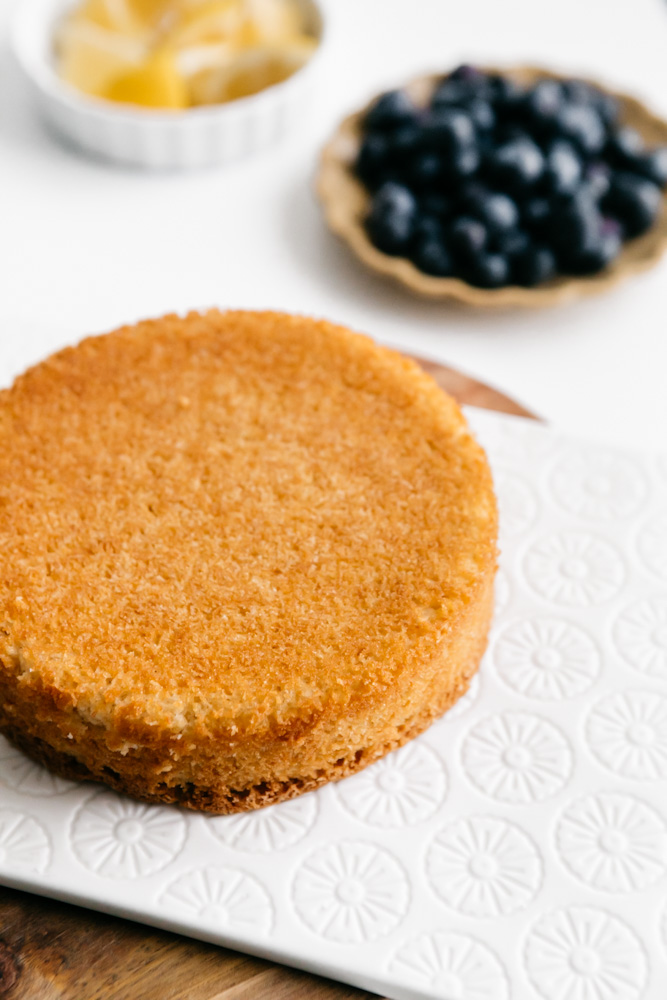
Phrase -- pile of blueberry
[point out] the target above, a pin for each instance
(499, 184)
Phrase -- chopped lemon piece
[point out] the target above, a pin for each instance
(211, 21)
(274, 21)
(249, 72)
(156, 84)
(91, 57)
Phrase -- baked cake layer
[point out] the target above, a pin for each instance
(244, 554)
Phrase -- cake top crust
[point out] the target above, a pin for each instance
(226, 522)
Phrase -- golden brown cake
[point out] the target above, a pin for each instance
(244, 554)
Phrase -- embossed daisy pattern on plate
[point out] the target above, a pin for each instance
(516, 757)
(652, 545)
(118, 838)
(351, 892)
(582, 953)
(574, 569)
(640, 634)
(546, 658)
(465, 702)
(453, 965)
(598, 484)
(229, 899)
(272, 829)
(404, 788)
(24, 843)
(26, 776)
(612, 842)
(484, 867)
(627, 733)
(517, 504)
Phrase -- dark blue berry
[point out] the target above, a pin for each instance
(437, 204)
(432, 256)
(563, 168)
(391, 222)
(583, 126)
(534, 265)
(597, 179)
(579, 92)
(535, 215)
(517, 165)
(390, 111)
(372, 161)
(574, 226)
(597, 255)
(467, 237)
(497, 211)
(426, 170)
(634, 201)
(623, 148)
(543, 104)
(450, 130)
(488, 270)
(511, 243)
(653, 166)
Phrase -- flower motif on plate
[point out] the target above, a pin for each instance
(484, 867)
(516, 757)
(351, 892)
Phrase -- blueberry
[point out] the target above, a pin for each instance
(536, 215)
(497, 211)
(563, 168)
(653, 166)
(392, 218)
(390, 111)
(372, 160)
(436, 204)
(467, 237)
(450, 93)
(404, 144)
(464, 164)
(488, 270)
(512, 243)
(471, 75)
(597, 179)
(623, 147)
(506, 95)
(425, 170)
(427, 227)
(574, 225)
(634, 201)
(579, 92)
(517, 165)
(597, 255)
(583, 126)
(533, 265)
(432, 256)
(450, 130)
(482, 114)
(543, 104)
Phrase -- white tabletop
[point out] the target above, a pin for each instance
(85, 246)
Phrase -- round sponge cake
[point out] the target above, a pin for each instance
(244, 554)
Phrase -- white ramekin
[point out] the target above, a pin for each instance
(136, 137)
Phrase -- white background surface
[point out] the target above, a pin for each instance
(84, 246)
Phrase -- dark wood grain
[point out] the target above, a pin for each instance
(54, 951)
